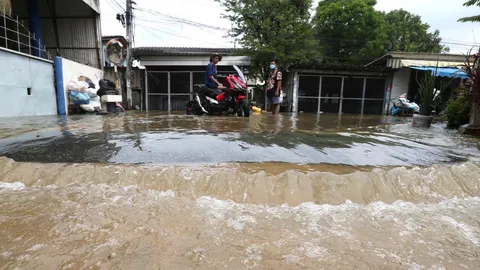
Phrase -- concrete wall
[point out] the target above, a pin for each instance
(18, 73)
(72, 69)
(401, 82)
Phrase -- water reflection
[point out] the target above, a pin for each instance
(178, 139)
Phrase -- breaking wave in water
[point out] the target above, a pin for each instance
(238, 216)
(255, 184)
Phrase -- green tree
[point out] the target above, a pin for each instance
(475, 18)
(269, 29)
(349, 30)
(407, 33)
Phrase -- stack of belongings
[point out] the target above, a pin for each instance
(108, 87)
(401, 106)
(83, 92)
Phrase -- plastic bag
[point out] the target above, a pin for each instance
(87, 107)
(95, 102)
(92, 92)
(78, 86)
(107, 88)
(87, 80)
(415, 107)
(79, 98)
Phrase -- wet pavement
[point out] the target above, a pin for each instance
(153, 191)
(177, 139)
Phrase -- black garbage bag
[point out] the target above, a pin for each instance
(107, 88)
(87, 80)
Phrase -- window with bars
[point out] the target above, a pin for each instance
(345, 94)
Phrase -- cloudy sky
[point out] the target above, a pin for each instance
(153, 29)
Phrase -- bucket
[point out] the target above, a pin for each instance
(422, 121)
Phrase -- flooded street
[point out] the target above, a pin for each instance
(152, 191)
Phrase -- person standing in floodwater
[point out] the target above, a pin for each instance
(274, 87)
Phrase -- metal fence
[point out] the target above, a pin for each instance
(15, 36)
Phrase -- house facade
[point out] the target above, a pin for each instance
(406, 68)
(368, 89)
(171, 73)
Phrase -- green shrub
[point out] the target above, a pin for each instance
(458, 110)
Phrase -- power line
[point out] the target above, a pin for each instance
(168, 31)
(113, 6)
(181, 20)
(121, 6)
(172, 22)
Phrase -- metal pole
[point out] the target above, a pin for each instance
(320, 95)
(386, 96)
(5, 27)
(146, 90)
(129, 14)
(340, 110)
(18, 36)
(191, 85)
(35, 49)
(29, 45)
(168, 96)
(363, 95)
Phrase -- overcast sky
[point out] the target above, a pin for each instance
(154, 30)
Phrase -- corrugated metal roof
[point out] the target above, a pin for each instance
(173, 51)
(70, 8)
(425, 54)
(439, 57)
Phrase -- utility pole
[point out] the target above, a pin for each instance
(129, 15)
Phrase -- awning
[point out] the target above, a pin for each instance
(444, 72)
(401, 63)
(426, 63)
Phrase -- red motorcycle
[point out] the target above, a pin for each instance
(232, 100)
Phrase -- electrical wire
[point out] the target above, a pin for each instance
(122, 7)
(113, 6)
(181, 20)
(168, 31)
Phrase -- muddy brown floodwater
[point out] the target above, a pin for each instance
(153, 191)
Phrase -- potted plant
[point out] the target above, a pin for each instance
(430, 92)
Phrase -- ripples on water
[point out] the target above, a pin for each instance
(303, 139)
(239, 215)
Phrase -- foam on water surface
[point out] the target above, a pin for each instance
(136, 224)
(11, 186)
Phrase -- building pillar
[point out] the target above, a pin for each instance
(35, 29)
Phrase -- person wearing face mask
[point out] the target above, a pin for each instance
(274, 87)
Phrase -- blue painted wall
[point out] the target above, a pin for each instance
(21, 73)
(35, 27)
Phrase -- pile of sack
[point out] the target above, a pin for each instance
(87, 94)
(402, 104)
(83, 92)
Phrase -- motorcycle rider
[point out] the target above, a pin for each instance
(211, 74)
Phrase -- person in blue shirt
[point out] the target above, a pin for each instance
(211, 73)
